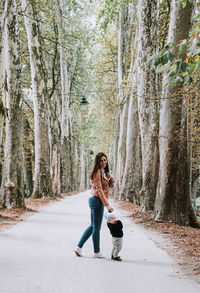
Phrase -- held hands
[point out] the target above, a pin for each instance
(110, 209)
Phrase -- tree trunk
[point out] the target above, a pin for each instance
(28, 157)
(42, 184)
(2, 71)
(66, 171)
(172, 202)
(82, 169)
(131, 184)
(123, 67)
(2, 61)
(75, 155)
(78, 164)
(116, 126)
(2, 74)
(55, 170)
(56, 109)
(147, 106)
(12, 187)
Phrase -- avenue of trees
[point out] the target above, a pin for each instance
(156, 138)
(137, 62)
(44, 48)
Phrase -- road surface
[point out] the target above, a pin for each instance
(37, 255)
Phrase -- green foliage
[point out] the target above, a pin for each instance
(109, 12)
(186, 60)
(184, 2)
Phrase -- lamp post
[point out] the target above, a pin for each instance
(84, 102)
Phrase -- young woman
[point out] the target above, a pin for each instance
(101, 181)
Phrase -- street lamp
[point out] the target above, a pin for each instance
(84, 102)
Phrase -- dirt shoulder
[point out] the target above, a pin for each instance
(181, 242)
(15, 215)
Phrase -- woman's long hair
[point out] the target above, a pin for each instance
(96, 165)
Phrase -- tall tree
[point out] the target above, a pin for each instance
(12, 187)
(28, 156)
(2, 73)
(42, 183)
(147, 104)
(123, 101)
(66, 171)
(131, 183)
(172, 202)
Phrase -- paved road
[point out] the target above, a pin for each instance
(37, 256)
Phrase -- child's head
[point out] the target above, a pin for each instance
(111, 218)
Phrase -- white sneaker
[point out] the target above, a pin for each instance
(98, 255)
(78, 251)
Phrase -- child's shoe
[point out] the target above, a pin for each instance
(78, 251)
(117, 258)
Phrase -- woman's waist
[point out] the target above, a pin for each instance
(95, 191)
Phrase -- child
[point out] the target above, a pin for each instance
(115, 227)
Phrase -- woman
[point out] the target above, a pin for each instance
(101, 181)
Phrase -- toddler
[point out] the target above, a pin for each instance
(116, 231)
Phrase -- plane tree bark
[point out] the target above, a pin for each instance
(147, 104)
(2, 72)
(12, 187)
(42, 177)
(123, 101)
(172, 201)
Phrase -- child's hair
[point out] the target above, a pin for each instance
(109, 216)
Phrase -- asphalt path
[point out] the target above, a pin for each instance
(37, 255)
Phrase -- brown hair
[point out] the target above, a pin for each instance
(96, 165)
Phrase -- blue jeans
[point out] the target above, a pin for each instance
(97, 209)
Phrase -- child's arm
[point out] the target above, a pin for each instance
(121, 225)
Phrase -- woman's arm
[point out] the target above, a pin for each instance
(111, 179)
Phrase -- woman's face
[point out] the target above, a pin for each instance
(103, 162)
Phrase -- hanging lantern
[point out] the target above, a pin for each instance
(84, 102)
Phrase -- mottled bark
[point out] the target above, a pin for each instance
(55, 167)
(172, 202)
(87, 176)
(65, 171)
(147, 106)
(56, 110)
(28, 157)
(66, 168)
(122, 114)
(82, 169)
(131, 183)
(42, 183)
(2, 74)
(116, 126)
(12, 187)
(2, 18)
(75, 155)
(2, 66)
(121, 157)
(75, 163)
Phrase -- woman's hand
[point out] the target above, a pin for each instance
(110, 209)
